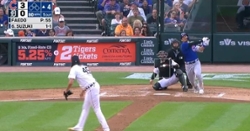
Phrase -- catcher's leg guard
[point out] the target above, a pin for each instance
(182, 78)
(157, 87)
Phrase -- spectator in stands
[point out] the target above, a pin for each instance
(125, 7)
(134, 6)
(169, 2)
(166, 6)
(242, 13)
(137, 32)
(100, 8)
(124, 26)
(153, 18)
(9, 33)
(189, 3)
(3, 17)
(145, 31)
(61, 29)
(117, 19)
(173, 20)
(69, 33)
(29, 33)
(135, 16)
(110, 9)
(123, 33)
(140, 2)
(56, 16)
(182, 6)
(52, 32)
(146, 8)
(137, 23)
(21, 33)
(42, 32)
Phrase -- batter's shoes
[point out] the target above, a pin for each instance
(201, 91)
(74, 129)
(196, 91)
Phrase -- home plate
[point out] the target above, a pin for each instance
(161, 94)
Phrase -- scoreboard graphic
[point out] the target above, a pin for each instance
(30, 15)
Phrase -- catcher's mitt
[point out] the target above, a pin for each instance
(67, 93)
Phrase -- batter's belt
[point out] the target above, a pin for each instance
(191, 62)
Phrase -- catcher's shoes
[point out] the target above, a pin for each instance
(185, 89)
(190, 87)
(74, 129)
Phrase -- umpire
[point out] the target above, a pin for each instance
(176, 54)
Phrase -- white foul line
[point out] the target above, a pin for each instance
(221, 94)
(103, 94)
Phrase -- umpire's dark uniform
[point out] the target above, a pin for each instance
(176, 54)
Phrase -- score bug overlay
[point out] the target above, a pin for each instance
(31, 15)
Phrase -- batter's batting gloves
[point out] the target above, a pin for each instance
(67, 93)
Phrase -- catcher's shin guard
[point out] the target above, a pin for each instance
(182, 78)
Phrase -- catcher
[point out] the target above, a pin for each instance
(169, 73)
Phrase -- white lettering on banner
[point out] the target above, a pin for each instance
(83, 49)
(59, 64)
(87, 56)
(243, 43)
(125, 64)
(92, 64)
(168, 41)
(147, 60)
(230, 42)
(147, 43)
(227, 42)
(25, 64)
(125, 40)
(32, 47)
(147, 52)
(66, 54)
(59, 41)
(25, 40)
(92, 41)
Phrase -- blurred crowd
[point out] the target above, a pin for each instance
(59, 25)
(139, 17)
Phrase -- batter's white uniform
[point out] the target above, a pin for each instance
(87, 82)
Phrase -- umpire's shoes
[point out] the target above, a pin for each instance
(190, 87)
(185, 89)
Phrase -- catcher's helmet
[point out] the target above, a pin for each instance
(75, 60)
(162, 55)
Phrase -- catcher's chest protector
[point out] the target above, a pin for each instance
(165, 69)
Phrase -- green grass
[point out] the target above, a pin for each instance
(194, 117)
(50, 116)
(41, 80)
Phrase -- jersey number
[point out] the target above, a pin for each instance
(86, 70)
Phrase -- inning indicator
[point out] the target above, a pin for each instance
(31, 15)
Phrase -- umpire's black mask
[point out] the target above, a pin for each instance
(75, 60)
(175, 44)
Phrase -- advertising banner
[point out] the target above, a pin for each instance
(231, 48)
(91, 54)
(148, 49)
(206, 56)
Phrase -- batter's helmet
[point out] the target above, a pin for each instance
(184, 34)
(75, 60)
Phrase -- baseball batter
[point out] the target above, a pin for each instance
(192, 63)
(169, 73)
(91, 88)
